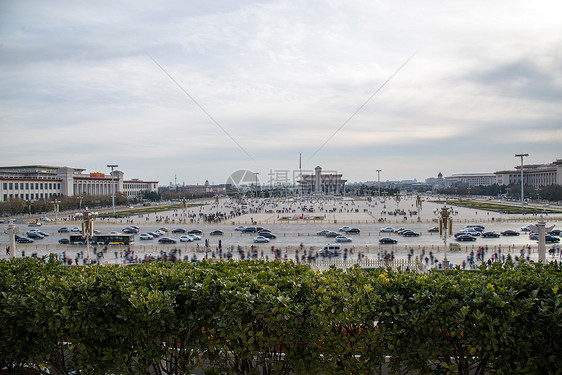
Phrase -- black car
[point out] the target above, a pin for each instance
(555, 232)
(490, 235)
(166, 240)
(63, 230)
(129, 230)
(195, 231)
(465, 237)
(510, 233)
(267, 235)
(551, 239)
(353, 231)
(216, 233)
(179, 230)
(20, 239)
(410, 233)
(64, 241)
(332, 234)
(35, 236)
(249, 230)
(387, 240)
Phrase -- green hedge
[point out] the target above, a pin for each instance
(277, 318)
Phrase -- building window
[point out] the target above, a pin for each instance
(5, 197)
(5, 186)
(21, 185)
(41, 189)
(58, 185)
(27, 197)
(37, 186)
(27, 186)
(10, 189)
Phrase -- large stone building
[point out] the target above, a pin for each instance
(318, 183)
(535, 175)
(32, 182)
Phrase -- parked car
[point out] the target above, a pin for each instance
(261, 239)
(216, 233)
(166, 240)
(195, 231)
(63, 230)
(551, 239)
(146, 236)
(64, 241)
(20, 239)
(387, 240)
(269, 235)
(465, 237)
(34, 236)
(510, 232)
(179, 230)
(343, 239)
(490, 235)
(387, 230)
(353, 231)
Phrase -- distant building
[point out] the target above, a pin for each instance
(318, 183)
(535, 175)
(471, 179)
(32, 182)
(206, 188)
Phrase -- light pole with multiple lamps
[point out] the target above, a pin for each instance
(522, 200)
(112, 186)
(379, 182)
(87, 229)
(445, 215)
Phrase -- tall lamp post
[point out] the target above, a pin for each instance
(379, 182)
(256, 173)
(56, 202)
(112, 186)
(88, 229)
(522, 201)
(445, 215)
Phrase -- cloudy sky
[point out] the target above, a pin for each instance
(199, 88)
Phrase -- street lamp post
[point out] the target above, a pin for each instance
(445, 215)
(88, 229)
(112, 186)
(256, 173)
(522, 201)
(379, 182)
(57, 205)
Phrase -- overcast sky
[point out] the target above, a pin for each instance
(202, 88)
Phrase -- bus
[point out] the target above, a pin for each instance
(103, 239)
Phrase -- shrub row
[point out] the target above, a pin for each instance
(277, 318)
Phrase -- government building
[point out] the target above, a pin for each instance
(32, 182)
(319, 183)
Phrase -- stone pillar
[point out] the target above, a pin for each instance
(318, 180)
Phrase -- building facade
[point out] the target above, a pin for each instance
(535, 175)
(318, 183)
(471, 179)
(34, 182)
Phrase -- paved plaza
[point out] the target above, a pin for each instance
(296, 230)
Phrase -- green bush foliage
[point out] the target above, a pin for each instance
(274, 318)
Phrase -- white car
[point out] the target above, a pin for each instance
(186, 238)
(194, 237)
(159, 232)
(240, 228)
(261, 239)
(146, 236)
(114, 233)
(387, 230)
(526, 228)
(344, 229)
